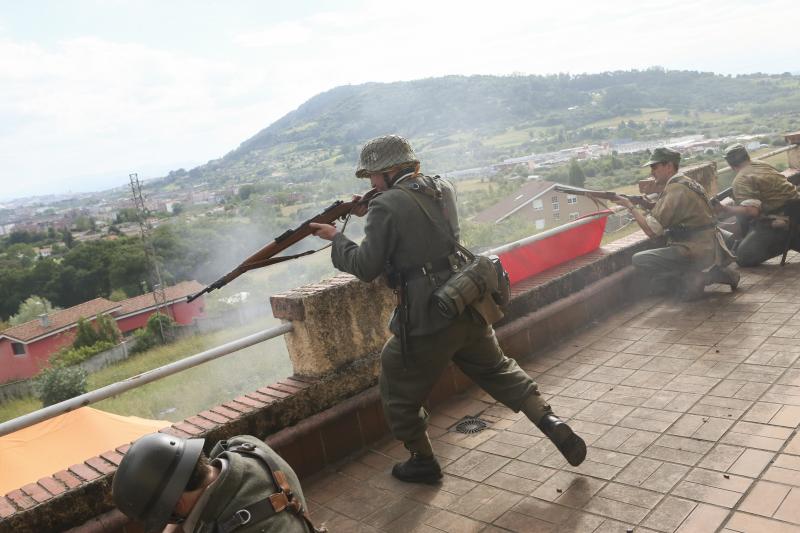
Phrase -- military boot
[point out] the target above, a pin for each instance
(422, 466)
(725, 275)
(568, 443)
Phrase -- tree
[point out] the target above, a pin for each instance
(85, 334)
(245, 191)
(107, 329)
(31, 308)
(68, 239)
(576, 176)
(58, 383)
(117, 295)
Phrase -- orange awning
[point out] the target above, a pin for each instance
(43, 449)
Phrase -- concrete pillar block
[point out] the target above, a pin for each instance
(335, 322)
(706, 175)
(793, 155)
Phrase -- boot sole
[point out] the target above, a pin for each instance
(569, 444)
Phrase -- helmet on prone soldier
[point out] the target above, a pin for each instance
(383, 153)
(152, 477)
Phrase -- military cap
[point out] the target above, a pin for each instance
(384, 152)
(736, 154)
(663, 155)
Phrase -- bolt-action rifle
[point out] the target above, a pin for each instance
(646, 202)
(338, 210)
(721, 195)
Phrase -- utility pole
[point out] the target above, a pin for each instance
(146, 229)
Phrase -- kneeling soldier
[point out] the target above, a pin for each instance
(683, 214)
(760, 193)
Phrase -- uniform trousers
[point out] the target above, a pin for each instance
(405, 382)
(761, 243)
(664, 262)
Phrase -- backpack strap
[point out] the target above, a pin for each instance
(283, 500)
(468, 254)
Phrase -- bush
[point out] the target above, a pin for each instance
(59, 383)
(107, 329)
(151, 335)
(85, 334)
(104, 329)
(73, 356)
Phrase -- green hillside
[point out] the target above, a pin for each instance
(460, 122)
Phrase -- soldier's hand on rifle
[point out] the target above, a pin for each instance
(323, 231)
(623, 201)
(359, 210)
(718, 207)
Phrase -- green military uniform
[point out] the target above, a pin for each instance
(400, 237)
(759, 185)
(243, 481)
(684, 215)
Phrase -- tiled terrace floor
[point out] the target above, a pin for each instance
(690, 411)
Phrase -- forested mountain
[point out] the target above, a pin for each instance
(458, 121)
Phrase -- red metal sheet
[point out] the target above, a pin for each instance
(556, 248)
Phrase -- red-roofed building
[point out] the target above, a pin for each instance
(538, 201)
(134, 312)
(25, 349)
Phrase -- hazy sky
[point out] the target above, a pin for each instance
(93, 89)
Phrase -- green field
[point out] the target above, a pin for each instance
(191, 391)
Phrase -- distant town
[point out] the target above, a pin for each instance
(109, 214)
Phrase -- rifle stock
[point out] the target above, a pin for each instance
(266, 255)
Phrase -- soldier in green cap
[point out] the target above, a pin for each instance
(760, 193)
(410, 236)
(684, 215)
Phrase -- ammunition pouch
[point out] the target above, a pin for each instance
(481, 285)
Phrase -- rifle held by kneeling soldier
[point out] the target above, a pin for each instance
(644, 201)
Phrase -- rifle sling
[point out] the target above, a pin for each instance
(281, 258)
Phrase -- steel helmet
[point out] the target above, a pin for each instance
(384, 152)
(153, 475)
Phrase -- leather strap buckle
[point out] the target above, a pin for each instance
(243, 515)
(279, 501)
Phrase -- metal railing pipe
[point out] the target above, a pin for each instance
(133, 382)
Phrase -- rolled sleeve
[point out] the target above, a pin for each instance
(751, 202)
(655, 225)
